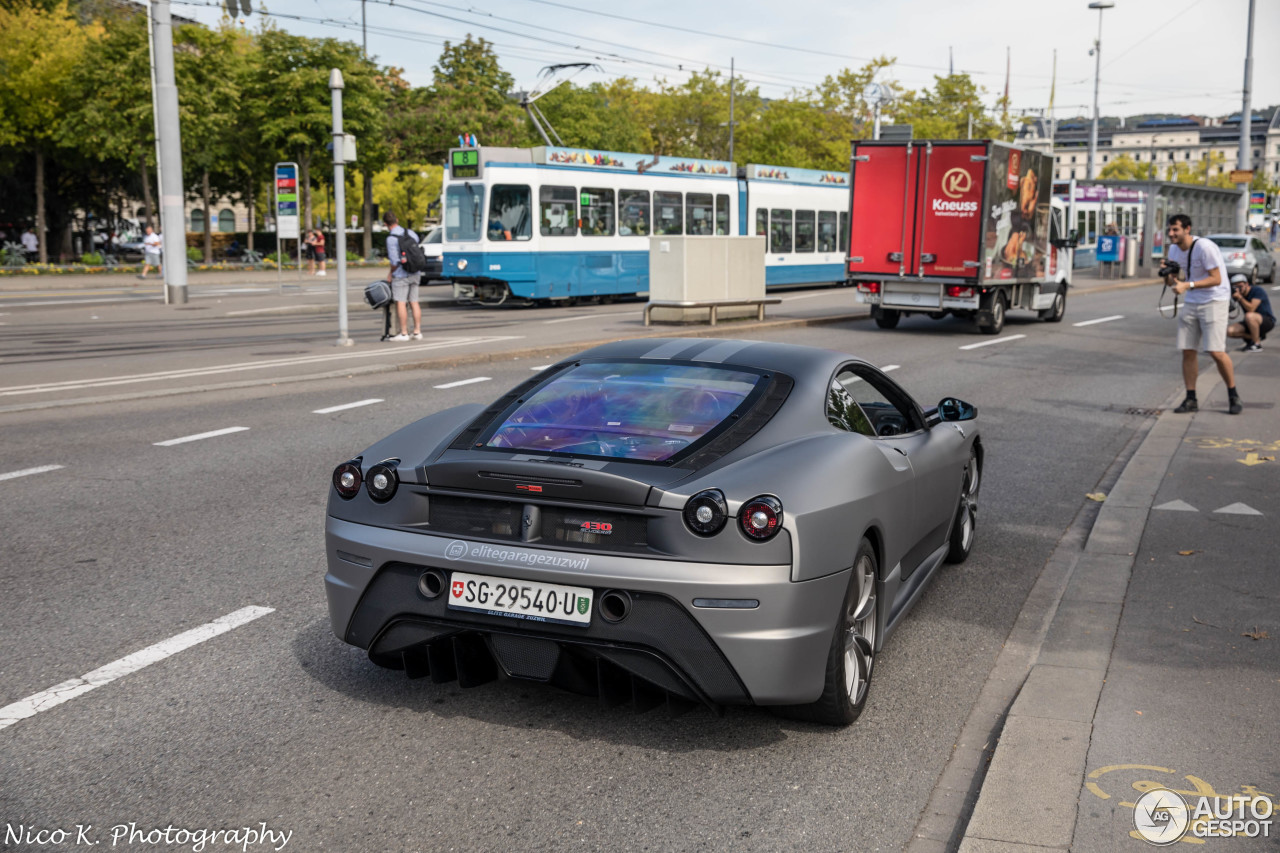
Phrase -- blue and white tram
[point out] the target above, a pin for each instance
(556, 223)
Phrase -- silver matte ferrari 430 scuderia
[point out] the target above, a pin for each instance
(658, 521)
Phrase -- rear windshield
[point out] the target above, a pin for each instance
(642, 411)
(1229, 242)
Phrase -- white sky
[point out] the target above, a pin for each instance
(1154, 53)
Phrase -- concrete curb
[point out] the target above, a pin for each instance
(1029, 797)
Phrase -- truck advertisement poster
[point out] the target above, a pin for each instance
(1016, 218)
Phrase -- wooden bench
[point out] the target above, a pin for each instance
(714, 305)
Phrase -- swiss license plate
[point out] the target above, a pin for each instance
(531, 600)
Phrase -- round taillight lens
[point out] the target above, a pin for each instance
(706, 512)
(381, 481)
(761, 517)
(347, 479)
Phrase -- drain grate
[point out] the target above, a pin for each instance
(1144, 412)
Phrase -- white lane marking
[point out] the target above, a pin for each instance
(74, 385)
(344, 406)
(994, 341)
(1166, 307)
(59, 693)
(1177, 506)
(464, 382)
(577, 317)
(27, 472)
(803, 296)
(540, 367)
(1276, 287)
(1237, 509)
(1099, 320)
(889, 367)
(215, 433)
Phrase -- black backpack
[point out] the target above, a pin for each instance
(412, 259)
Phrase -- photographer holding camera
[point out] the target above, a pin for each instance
(1203, 321)
(1257, 319)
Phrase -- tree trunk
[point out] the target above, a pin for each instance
(304, 175)
(253, 218)
(208, 219)
(367, 213)
(43, 255)
(146, 191)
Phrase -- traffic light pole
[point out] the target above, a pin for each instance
(169, 140)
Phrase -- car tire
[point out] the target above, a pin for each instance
(1055, 312)
(964, 527)
(853, 650)
(995, 325)
(1253, 277)
(1271, 276)
(886, 318)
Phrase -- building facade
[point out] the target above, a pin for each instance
(1189, 140)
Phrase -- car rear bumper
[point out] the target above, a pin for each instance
(773, 653)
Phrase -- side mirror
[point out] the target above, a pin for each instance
(951, 409)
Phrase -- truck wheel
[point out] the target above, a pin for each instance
(886, 318)
(993, 321)
(1054, 313)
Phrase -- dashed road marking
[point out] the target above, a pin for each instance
(74, 385)
(994, 341)
(346, 406)
(460, 382)
(1099, 320)
(27, 472)
(571, 319)
(803, 296)
(889, 367)
(199, 436)
(1237, 509)
(74, 687)
(540, 367)
(1177, 506)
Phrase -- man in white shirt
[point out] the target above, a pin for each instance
(152, 245)
(30, 242)
(1202, 322)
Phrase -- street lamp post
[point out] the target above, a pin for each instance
(1100, 5)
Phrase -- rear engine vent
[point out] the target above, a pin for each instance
(487, 519)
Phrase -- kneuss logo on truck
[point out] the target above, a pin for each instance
(956, 182)
(955, 208)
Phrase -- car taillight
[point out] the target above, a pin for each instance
(382, 480)
(959, 291)
(761, 517)
(869, 287)
(706, 512)
(1236, 256)
(347, 478)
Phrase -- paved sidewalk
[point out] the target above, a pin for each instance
(1160, 667)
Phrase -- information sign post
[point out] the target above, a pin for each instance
(287, 222)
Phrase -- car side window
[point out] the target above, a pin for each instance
(879, 408)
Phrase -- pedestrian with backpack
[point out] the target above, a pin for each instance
(407, 264)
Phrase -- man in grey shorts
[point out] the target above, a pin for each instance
(404, 284)
(1202, 322)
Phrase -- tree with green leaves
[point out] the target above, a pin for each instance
(288, 95)
(614, 116)
(470, 94)
(948, 110)
(38, 52)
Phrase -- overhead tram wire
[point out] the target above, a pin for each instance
(683, 60)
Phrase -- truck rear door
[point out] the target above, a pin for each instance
(884, 178)
(948, 220)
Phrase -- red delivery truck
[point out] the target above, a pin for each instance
(963, 227)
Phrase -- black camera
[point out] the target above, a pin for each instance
(1170, 268)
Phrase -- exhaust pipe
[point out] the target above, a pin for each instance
(615, 605)
(432, 583)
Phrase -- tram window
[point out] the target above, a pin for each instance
(509, 217)
(762, 222)
(633, 213)
(826, 231)
(558, 211)
(667, 213)
(597, 213)
(779, 230)
(699, 214)
(844, 233)
(804, 230)
(722, 215)
(463, 212)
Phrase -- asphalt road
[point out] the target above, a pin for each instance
(131, 543)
